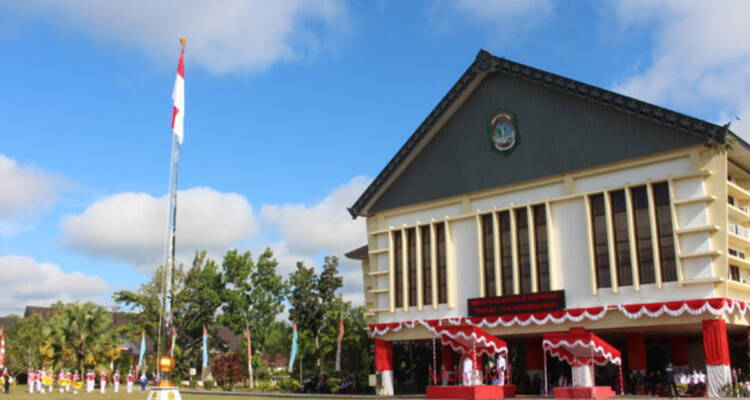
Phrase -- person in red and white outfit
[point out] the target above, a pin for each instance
(32, 382)
(76, 378)
(90, 379)
(131, 379)
(116, 381)
(103, 382)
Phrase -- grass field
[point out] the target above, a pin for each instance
(21, 393)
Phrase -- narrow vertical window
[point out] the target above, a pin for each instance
(642, 224)
(488, 250)
(664, 228)
(524, 258)
(442, 266)
(426, 266)
(622, 240)
(601, 248)
(542, 252)
(411, 256)
(734, 273)
(398, 268)
(506, 256)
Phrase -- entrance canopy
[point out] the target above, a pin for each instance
(580, 347)
(466, 338)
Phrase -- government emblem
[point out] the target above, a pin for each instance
(503, 131)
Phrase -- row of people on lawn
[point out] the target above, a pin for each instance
(47, 381)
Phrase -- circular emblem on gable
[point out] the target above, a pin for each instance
(503, 131)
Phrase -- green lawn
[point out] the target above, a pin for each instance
(22, 393)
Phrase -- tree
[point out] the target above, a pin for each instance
(196, 298)
(80, 334)
(311, 298)
(227, 370)
(253, 295)
(24, 341)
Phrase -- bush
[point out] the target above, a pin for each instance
(333, 385)
(227, 370)
(288, 384)
(192, 384)
(208, 385)
(266, 386)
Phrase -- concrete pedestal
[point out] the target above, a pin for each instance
(164, 393)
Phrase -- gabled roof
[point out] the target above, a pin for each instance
(486, 63)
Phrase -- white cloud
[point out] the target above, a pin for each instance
(223, 35)
(132, 227)
(701, 57)
(504, 20)
(24, 192)
(502, 11)
(28, 282)
(323, 228)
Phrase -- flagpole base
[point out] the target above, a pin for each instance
(164, 393)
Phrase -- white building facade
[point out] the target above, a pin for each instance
(523, 183)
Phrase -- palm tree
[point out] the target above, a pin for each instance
(81, 334)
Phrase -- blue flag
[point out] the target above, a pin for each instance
(143, 348)
(205, 348)
(293, 355)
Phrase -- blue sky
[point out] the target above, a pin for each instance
(292, 107)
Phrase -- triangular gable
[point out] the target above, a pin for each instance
(564, 126)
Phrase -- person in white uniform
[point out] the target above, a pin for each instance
(467, 371)
(116, 381)
(501, 367)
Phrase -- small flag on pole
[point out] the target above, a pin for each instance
(338, 346)
(172, 343)
(178, 97)
(2, 348)
(143, 349)
(205, 347)
(293, 354)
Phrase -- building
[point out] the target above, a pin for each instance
(529, 203)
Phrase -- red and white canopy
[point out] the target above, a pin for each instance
(467, 338)
(580, 347)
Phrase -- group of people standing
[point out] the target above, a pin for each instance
(495, 372)
(47, 381)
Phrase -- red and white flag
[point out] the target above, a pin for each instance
(2, 348)
(178, 97)
(338, 346)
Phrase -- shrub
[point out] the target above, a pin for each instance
(227, 369)
(192, 384)
(208, 385)
(333, 385)
(288, 384)
(266, 386)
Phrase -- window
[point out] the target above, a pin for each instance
(426, 265)
(622, 241)
(506, 253)
(522, 241)
(411, 256)
(642, 224)
(664, 229)
(542, 256)
(601, 248)
(488, 250)
(734, 273)
(398, 268)
(442, 274)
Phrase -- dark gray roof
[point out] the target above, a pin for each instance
(486, 63)
(360, 253)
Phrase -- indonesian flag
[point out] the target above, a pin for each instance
(174, 340)
(178, 96)
(338, 346)
(2, 348)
